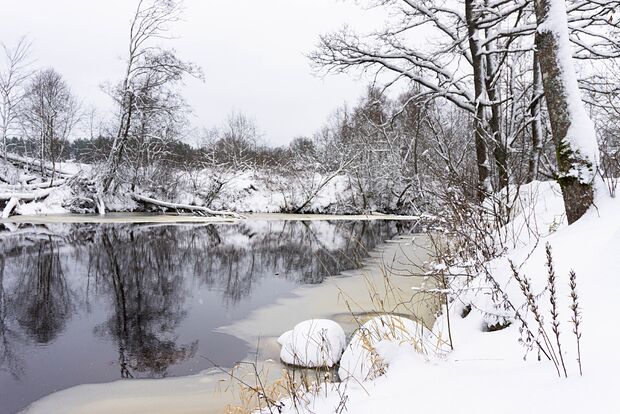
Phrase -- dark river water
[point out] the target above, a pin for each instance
(89, 303)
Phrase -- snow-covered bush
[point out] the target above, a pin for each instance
(313, 343)
(361, 360)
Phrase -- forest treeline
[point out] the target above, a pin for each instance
(500, 98)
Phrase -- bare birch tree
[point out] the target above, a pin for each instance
(13, 77)
(149, 68)
(49, 112)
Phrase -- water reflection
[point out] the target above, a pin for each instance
(43, 301)
(136, 301)
(147, 297)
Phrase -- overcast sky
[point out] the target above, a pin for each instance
(251, 51)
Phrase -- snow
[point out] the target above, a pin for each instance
(247, 191)
(492, 371)
(52, 204)
(257, 190)
(361, 359)
(581, 134)
(188, 395)
(486, 372)
(537, 211)
(313, 343)
(270, 192)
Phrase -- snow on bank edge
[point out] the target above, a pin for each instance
(487, 372)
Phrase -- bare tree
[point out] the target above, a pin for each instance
(237, 141)
(470, 62)
(573, 131)
(49, 114)
(13, 77)
(149, 68)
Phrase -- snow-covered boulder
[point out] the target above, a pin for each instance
(361, 360)
(313, 343)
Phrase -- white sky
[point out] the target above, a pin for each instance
(251, 51)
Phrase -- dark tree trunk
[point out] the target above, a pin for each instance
(537, 141)
(578, 195)
(500, 147)
(472, 16)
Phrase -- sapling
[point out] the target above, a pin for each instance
(532, 303)
(576, 317)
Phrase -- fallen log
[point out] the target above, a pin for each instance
(21, 178)
(184, 207)
(45, 184)
(57, 169)
(31, 196)
(8, 209)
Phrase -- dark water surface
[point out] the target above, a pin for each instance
(89, 303)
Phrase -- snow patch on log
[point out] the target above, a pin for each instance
(183, 207)
(6, 213)
(62, 170)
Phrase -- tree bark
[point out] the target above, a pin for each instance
(576, 148)
(534, 156)
(472, 15)
(500, 146)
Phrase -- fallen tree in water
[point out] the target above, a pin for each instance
(183, 207)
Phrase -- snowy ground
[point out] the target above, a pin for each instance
(486, 372)
(244, 191)
(188, 218)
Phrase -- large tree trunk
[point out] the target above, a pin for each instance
(472, 11)
(500, 146)
(118, 146)
(573, 132)
(537, 140)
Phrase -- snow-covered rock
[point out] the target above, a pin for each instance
(313, 343)
(361, 360)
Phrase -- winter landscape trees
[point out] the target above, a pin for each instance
(573, 131)
(13, 76)
(485, 130)
(49, 114)
(485, 105)
(150, 109)
(483, 61)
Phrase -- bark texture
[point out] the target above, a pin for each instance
(537, 131)
(472, 14)
(578, 196)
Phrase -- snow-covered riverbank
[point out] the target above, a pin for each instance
(485, 373)
(245, 191)
(189, 218)
(491, 371)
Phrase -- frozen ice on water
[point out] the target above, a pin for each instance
(313, 343)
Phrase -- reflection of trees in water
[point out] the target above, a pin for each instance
(144, 271)
(39, 303)
(303, 252)
(141, 275)
(44, 300)
(10, 338)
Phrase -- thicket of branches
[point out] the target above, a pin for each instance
(458, 112)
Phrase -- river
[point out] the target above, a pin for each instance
(146, 297)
